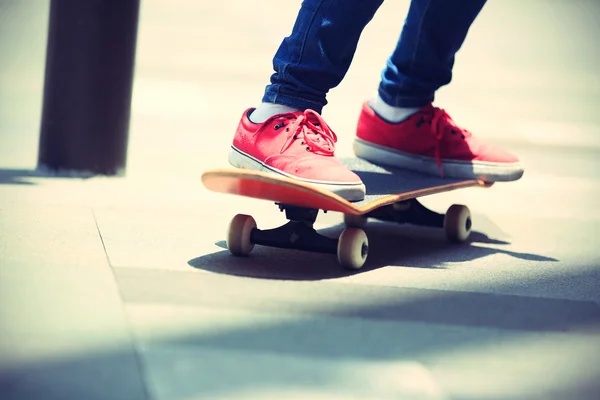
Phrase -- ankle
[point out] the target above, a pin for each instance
(266, 110)
(389, 113)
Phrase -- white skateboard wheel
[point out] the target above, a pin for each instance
(238, 235)
(355, 221)
(457, 223)
(353, 248)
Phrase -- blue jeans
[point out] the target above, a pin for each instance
(318, 52)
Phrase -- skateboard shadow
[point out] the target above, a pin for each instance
(390, 245)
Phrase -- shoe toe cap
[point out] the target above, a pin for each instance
(491, 153)
(322, 169)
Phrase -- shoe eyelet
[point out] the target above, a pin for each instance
(421, 121)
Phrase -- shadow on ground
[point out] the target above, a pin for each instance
(389, 245)
(24, 176)
(316, 330)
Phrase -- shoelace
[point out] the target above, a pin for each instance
(441, 124)
(316, 134)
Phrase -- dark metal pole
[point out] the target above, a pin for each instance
(88, 85)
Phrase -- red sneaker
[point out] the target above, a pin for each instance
(297, 145)
(430, 142)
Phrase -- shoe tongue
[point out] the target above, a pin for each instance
(429, 109)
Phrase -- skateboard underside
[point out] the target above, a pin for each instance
(391, 196)
(383, 182)
(384, 186)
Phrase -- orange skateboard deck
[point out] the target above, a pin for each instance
(391, 196)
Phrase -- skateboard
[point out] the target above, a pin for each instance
(392, 195)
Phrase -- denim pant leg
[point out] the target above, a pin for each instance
(318, 52)
(422, 61)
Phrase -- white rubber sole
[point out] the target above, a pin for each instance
(486, 171)
(351, 191)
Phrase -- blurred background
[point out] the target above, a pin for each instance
(121, 288)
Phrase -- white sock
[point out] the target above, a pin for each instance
(266, 110)
(389, 113)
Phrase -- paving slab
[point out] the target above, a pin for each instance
(258, 334)
(60, 309)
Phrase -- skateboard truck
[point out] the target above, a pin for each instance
(352, 246)
(403, 212)
(298, 233)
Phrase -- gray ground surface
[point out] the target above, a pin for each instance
(121, 288)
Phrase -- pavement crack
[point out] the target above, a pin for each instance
(102, 239)
(137, 351)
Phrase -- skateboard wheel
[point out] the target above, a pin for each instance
(238, 235)
(355, 221)
(353, 248)
(457, 223)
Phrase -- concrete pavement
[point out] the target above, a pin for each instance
(120, 288)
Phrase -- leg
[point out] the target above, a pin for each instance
(402, 128)
(424, 56)
(286, 135)
(318, 53)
